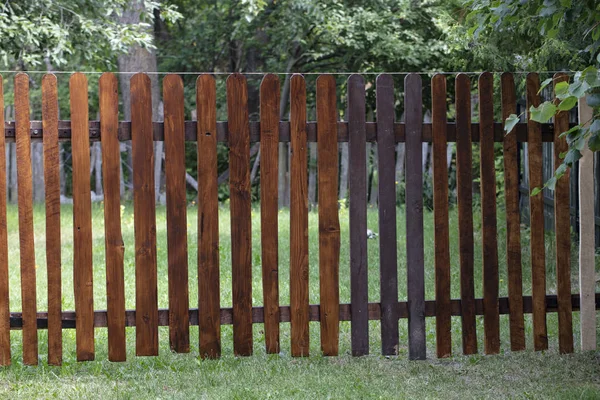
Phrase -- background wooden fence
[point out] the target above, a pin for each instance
(238, 132)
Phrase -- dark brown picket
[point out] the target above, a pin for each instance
(239, 188)
(269, 226)
(491, 316)
(513, 219)
(536, 210)
(179, 324)
(329, 225)
(83, 273)
(144, 214)
(414, 218)
(25, 198)
(440, 211)
(358, 215)
(115, 248)
(4, 287)
(563, 232)
(209, 309)
(52, 189)
(464, 182)
(298, 218)
(388, 265)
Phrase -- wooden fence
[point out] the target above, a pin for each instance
(327, 131)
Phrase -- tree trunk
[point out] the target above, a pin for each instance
(312, 175)
(98, 169)
(138, 59)
(37, 169)
(343, 148)
(373, 199)
(14, 186)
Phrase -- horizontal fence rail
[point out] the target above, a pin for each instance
(327, 131)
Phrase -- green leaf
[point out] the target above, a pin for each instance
(593, 100)
(561, 89)
(545, 83)
(511, 122)
(572, 156)
(551, 184)
(594, 142)
(567, 103)
(543, 113)
(536, 191)
(570, 131)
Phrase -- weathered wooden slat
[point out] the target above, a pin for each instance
(226, 314)
(144, 214)
(491, 318)
(536, 209)
(329, 225)
(83, 274)
(440, 211)
(52, 189)
(513, 219)
(208, 220)
(179, 332)
(113, 239)
(64, 131)
(25, 197)
(587, 246)
(4, 287)
(414, 218)
(358, 215)
(298, 218)
(388, 264)
(464, 183)
(269, 226)
(562, 229)
(239, 187)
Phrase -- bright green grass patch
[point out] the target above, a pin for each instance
(183, 376)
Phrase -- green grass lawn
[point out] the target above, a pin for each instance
(526, 374)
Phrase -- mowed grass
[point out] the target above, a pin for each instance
(526, 374)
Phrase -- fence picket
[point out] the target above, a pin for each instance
(52, 189)
(144, 215)
(464, 182)
(269, 226)
(491, 316)
(536, 209)
(513, 219)
(82, 219)
(25, 198)
(388, 264)
(4, 276)
(562, 215)
(115, 249)
(440, 210)
(239, 184)
(209, 309)
(298, 218)
(358, 215)
(414, 218)
(179, 325)
(329, 225)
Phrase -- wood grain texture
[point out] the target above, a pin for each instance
(536, 209)
(269, 226)
(83, 273)
(113, 239)
(25, 198)
(329, 225)
(209, 308)
(358, 215)
(4, 286)
(388, 264)
(240, 200)
(52, 189)
(298, 218)
(464, 178)
(487, 168)
(513, 219)
(415, 257)
(587, 250)
(440, 211)
(179, 325)
(144, 215)
(562, 229)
